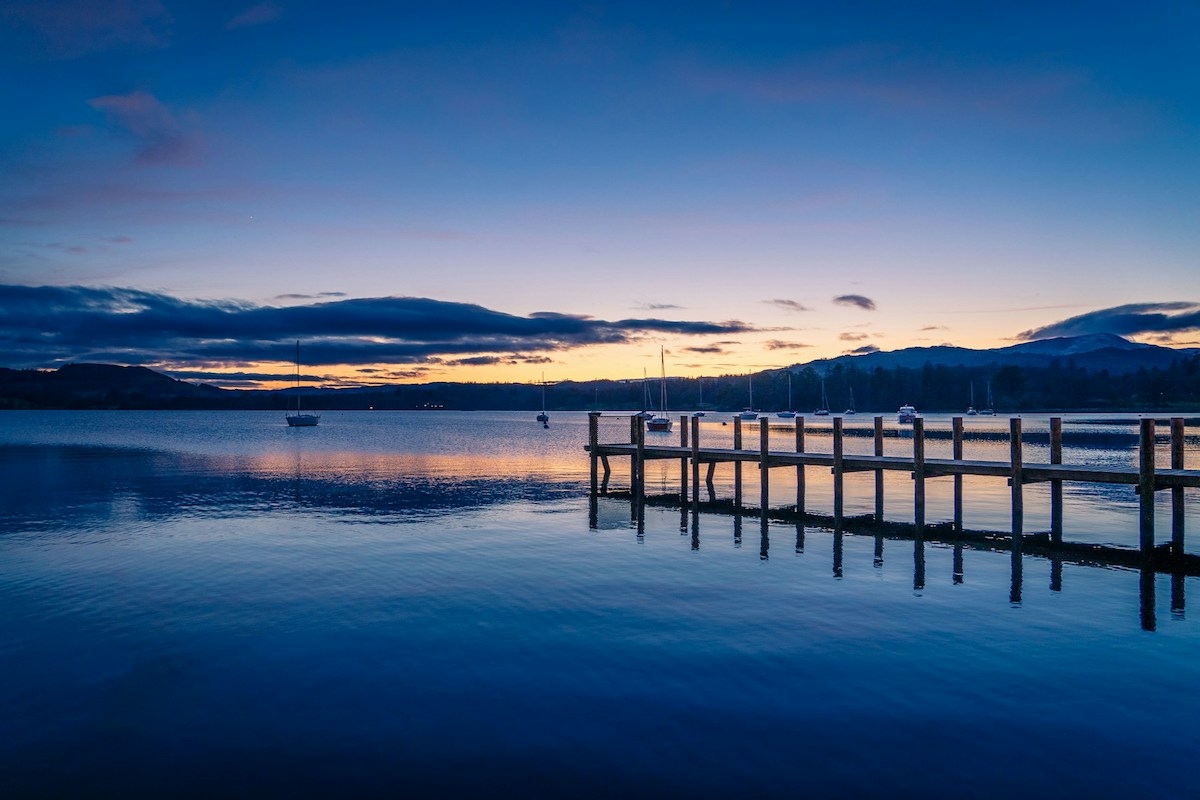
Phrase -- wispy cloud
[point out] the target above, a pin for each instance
(710, 349)
(779, 344)
(1126, 320)
(658, 306)
(788, 305)
(317, 296)
(256, 15)
(855, 301)
(864, 350)
(853, 337)
(161, 138)
(47, 325)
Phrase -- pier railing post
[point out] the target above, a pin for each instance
(1177, 491)
(634, 422)
(957, 454)
(737, 465)
(1056, 486)
(1146, 487)
(641, 458)
(593, 445)
(1016, 481)
(764, 447)
(919, 474)
(879, 472)
(838, 483)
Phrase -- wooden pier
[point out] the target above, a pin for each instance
(1145, 477)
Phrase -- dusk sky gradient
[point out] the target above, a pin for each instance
(489, 192)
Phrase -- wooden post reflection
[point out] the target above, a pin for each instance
(918, 563)
(957, 576)
(737, 530)
(1014, 589)
(1177, 593)
(957, 422)
(1146, 598)
(1056, 487)
(1056, 574)
(764, 540)
(837, 549)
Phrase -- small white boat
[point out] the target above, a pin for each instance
(543, 417)
(907, 414)
(971, 412)
(300, 419)
(661, 423)
(849, 412)
(749, 412)
(823, 411)
(789, 414)
(990, 411)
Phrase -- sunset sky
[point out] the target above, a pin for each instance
(489, 192)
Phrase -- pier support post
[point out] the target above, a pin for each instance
(957, 454)
(737, 465)
(593, 445)
(1177, 491)
(683, 462)
(696, 463)
(919, 474)
(764, 448)
(879, 472)
(634, 422)
(1016, 481)
(1056, 487)
(838, 475)
(641, 459)
(1146, 487)
(800, 470)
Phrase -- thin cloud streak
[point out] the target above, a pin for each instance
(855, 301)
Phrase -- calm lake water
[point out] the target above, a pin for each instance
(422, 604)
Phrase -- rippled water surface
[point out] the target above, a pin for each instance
(424, 604)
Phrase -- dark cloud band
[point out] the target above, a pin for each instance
(1124, 320)
(45, 325)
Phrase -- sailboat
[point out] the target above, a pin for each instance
(543, 417)
(850, 411)
(971, 412)
(990, 411)
(789, 414)
(300, 419)
(823, 411)
(749, 413)
(661, 423)
(645, 413)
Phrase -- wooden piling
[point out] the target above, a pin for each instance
(1146, 487)
(957, 454)
(764, 450)
(696, 463)
(683, 462)
(800, 467)
(1177, 491)
(879, 472)
(640, 431)
(1016, 481)
(838, 482)
(737, 465)
(593, 445)
(635, 423)
(1056, 486)
(919, 474)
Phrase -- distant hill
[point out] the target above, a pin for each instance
(1068, 373)
(1095, 352)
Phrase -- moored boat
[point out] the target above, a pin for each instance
(300, 419)
(907, 414)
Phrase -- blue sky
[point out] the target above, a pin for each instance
(708, 177)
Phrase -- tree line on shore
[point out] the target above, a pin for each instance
(1060, 385)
